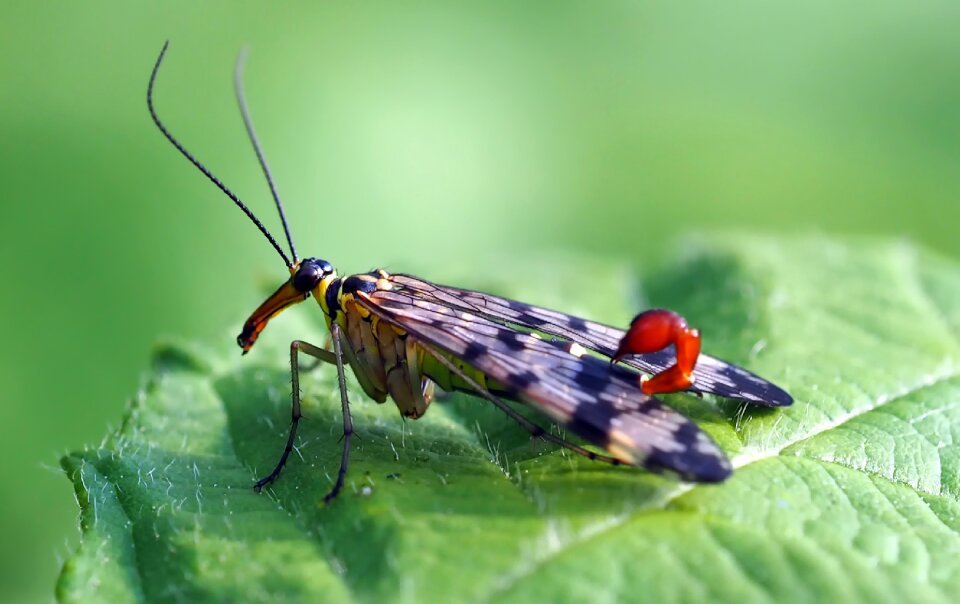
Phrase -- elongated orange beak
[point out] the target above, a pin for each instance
(286, 296)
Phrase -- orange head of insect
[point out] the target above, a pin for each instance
(306, 276)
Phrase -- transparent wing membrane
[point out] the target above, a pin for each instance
(712, 375)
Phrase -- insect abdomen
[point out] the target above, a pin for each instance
(388, 361)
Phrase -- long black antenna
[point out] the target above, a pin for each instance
(201, 167)
(248, 122)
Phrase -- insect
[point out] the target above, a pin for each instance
(401, 335)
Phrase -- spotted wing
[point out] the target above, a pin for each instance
(600, 402)
(711, 375)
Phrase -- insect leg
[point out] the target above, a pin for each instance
(296, 347)
(654, 330)
(327, 345)
(347, 420)
(534, 429)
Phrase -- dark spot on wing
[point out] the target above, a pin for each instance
(591, 377)
(474, 351)
(511, 340)
(687, 434)
(517, 306)
(522, 381)
(592, 421)
(529, 320)
(576, 323)
(699, 460)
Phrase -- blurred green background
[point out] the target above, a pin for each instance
(420, 132)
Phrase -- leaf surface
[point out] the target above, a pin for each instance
(849, 495)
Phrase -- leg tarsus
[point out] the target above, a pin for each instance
(275, 473)
(296, 347)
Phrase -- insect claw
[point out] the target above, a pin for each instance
(263, 482)
(331, 496)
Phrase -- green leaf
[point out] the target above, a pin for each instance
(849, 495)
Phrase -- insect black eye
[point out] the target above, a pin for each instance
(310, 273)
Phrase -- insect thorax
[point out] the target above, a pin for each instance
(385, 358)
